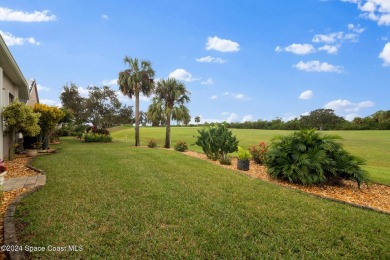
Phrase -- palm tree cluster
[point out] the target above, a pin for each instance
(168, 103)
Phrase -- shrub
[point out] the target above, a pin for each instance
(259, 153)
(181, 146)
(243, 154)
(216, 141)
(152, 143)
(307, 157)
(225, 159)
(97, 138)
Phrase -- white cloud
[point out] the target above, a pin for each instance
(209, 59)
(240, 96)
(327, 38)
(112, 82)
(247, 118)
(104, 16)
(182, 74)
(331, 49)
(213, 97)
(83, 92)
(299, 49)
(222, 45)
(226, 93)
(42, 88)
(209, 81)
(344, 106)
(232, 118)
(308, 94)
(385, 55)
(317, 66)
(50, 102)
(350, 117)
(375, 10)
(12, 40)
(7, 14)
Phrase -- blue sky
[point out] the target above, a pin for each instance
(241, 60)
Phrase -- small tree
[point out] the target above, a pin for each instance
(19, 118)
(217, 141)
(50, 117)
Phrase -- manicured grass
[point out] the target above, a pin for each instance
(372, 146)
(118, 201)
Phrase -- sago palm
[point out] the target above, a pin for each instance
(172, 95)
(136, 80)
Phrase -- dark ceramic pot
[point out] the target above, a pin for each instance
(243, 165)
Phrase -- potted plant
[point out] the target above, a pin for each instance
(3, 172)
(34, 149)
(243, 159)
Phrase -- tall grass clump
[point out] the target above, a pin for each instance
(307, 157)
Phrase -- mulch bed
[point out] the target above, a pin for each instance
(374, 196)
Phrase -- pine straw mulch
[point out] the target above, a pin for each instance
(374, 196)
(16, 168)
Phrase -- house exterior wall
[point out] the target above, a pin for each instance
(33, 99)
(8, 88)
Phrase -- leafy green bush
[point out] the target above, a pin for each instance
(181, 146)
(97, 138)
(307, 157)
(259, 153)
(225, 159)
(216, 141)
(243, 154)
(152, 143)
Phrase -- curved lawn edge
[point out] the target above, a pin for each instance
(10, 234)
(299, 188)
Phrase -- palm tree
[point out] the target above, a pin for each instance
(197, 120)
(172, 95)
(135, 80)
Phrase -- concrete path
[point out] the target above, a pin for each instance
(24, 182)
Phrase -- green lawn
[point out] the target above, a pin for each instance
(372, 146)
(119, 202)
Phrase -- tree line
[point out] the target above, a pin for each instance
(321, 119)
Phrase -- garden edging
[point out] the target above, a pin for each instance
(10, 236)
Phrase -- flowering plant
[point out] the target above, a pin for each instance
(2, 166)
(259, 153)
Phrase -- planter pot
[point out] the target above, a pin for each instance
(2, 175)
(243, 165)
(31, 152)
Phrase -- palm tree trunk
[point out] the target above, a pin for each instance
(168, 131)
(137, 142)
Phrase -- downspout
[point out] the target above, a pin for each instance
(1, 116)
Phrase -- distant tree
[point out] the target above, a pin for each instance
(125, 115)
(155, 112)
(172, 95)
(143, 118)
(102, 106)
(134, 81)
(321, 119)
(197, 120)
(71, 99)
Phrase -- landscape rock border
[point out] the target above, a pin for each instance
(10, 235)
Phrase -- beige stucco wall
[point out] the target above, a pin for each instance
(33, 97)
(8, 87)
